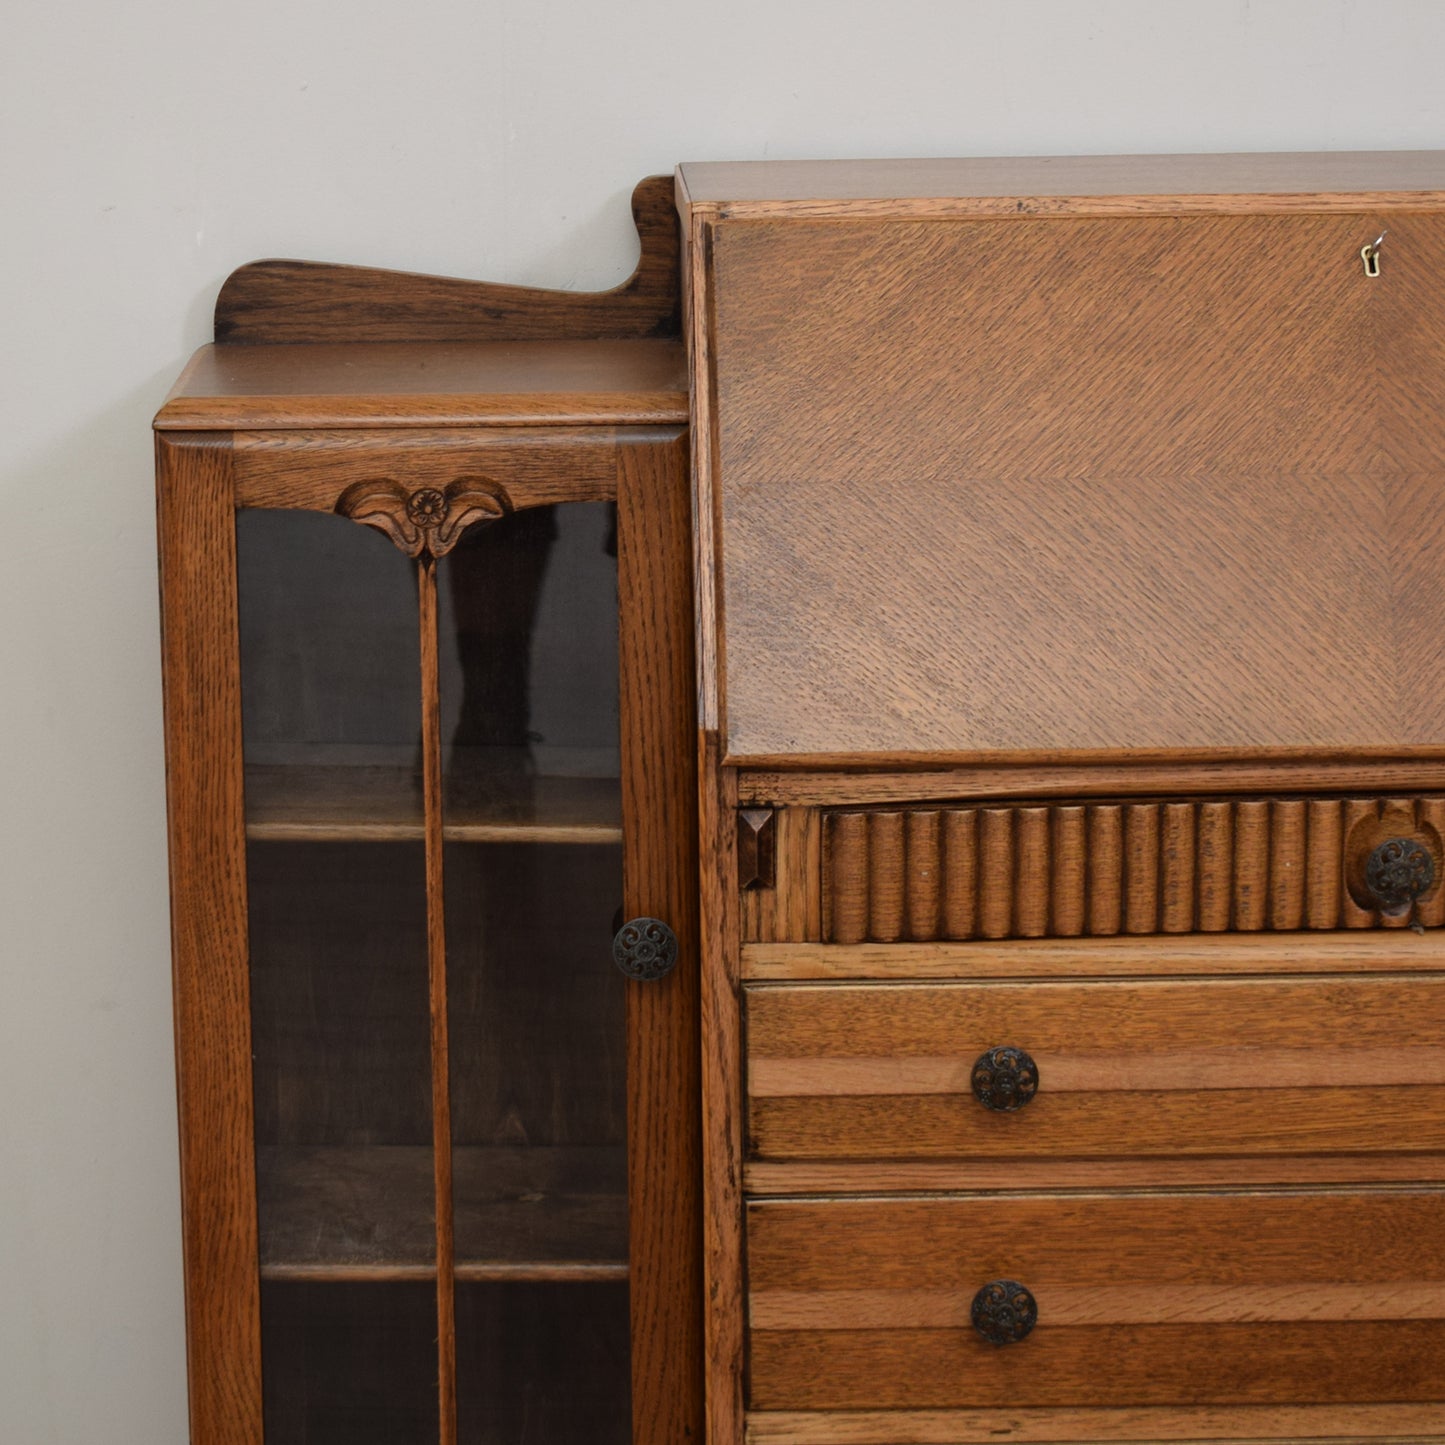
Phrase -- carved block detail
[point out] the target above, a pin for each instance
(427, 519)
(1069, 869)
(757, 831)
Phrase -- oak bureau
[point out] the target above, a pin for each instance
(981, 621)
(1071, 597)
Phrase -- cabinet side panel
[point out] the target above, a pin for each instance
(659, 809)
(209, 939)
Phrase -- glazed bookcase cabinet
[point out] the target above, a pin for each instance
(439, 1155)
(989, 612)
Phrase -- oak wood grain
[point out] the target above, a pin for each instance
(209, 937)
(799, 1177)
(1377, 1236)
(1139, 867)
(1098, 957)
(1112, 399)
(791, 908)
(429, 384)
(305, 301)
(1238, 1425)
(660, 870)
(436, 930)
(918, 778)
(1344, 1363)
(1150, 1069)
(1288, 1298)
(722, 1101)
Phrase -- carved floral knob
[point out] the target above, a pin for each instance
(1397, 872)
(1004, 1312)
(645, 948)
(1004, 1079)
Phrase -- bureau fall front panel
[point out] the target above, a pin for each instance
(1116, 484)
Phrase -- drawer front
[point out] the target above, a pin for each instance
(1065, 870)
(1143, 1300)
(1159, 1067)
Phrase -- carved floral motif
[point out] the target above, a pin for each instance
(428, 520)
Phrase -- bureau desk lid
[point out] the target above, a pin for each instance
(1151, 471)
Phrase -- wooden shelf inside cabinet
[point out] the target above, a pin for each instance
(329, 804)
(367, 1213)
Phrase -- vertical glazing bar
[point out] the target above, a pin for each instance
(431, 756)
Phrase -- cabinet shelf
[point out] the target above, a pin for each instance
(553, 1214)
(366, 804)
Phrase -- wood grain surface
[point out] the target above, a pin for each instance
(311, 468)
(1172, 1069)
(1277, 1362)
(429, 384)
(1237, 1425)
(1075, 485)
(1035, 870)
(660, 870)
(1232, 1171)
(436, 934)
(913, 778)
(204, 789)
(1289, 1298)
(1187, 954)
(722, 1099)
(307, 301)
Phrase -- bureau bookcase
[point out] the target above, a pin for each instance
(963, 637)
(1070, 598)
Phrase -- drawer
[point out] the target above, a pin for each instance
(1162, 1068)
(1140, 1300)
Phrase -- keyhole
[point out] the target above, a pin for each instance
(1370, 255)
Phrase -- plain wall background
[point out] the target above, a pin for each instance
(149, 148)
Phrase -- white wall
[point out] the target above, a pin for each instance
(150, 147)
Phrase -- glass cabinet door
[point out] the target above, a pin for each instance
(434, 869)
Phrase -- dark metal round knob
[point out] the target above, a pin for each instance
(1004, 1079)
(645, 948)
(1397, 872)
(1004, 1312)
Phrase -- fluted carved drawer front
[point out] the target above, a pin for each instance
(1063, 870)
(1106, 1300)
(1165, 1069)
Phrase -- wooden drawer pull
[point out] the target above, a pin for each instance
(1004, 1312)
(1397, 872)
(1004, 1079)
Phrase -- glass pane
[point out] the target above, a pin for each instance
(340, 1016)
(537, 1011)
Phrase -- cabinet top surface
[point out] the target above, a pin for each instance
(1032, 183)
(614, 383)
